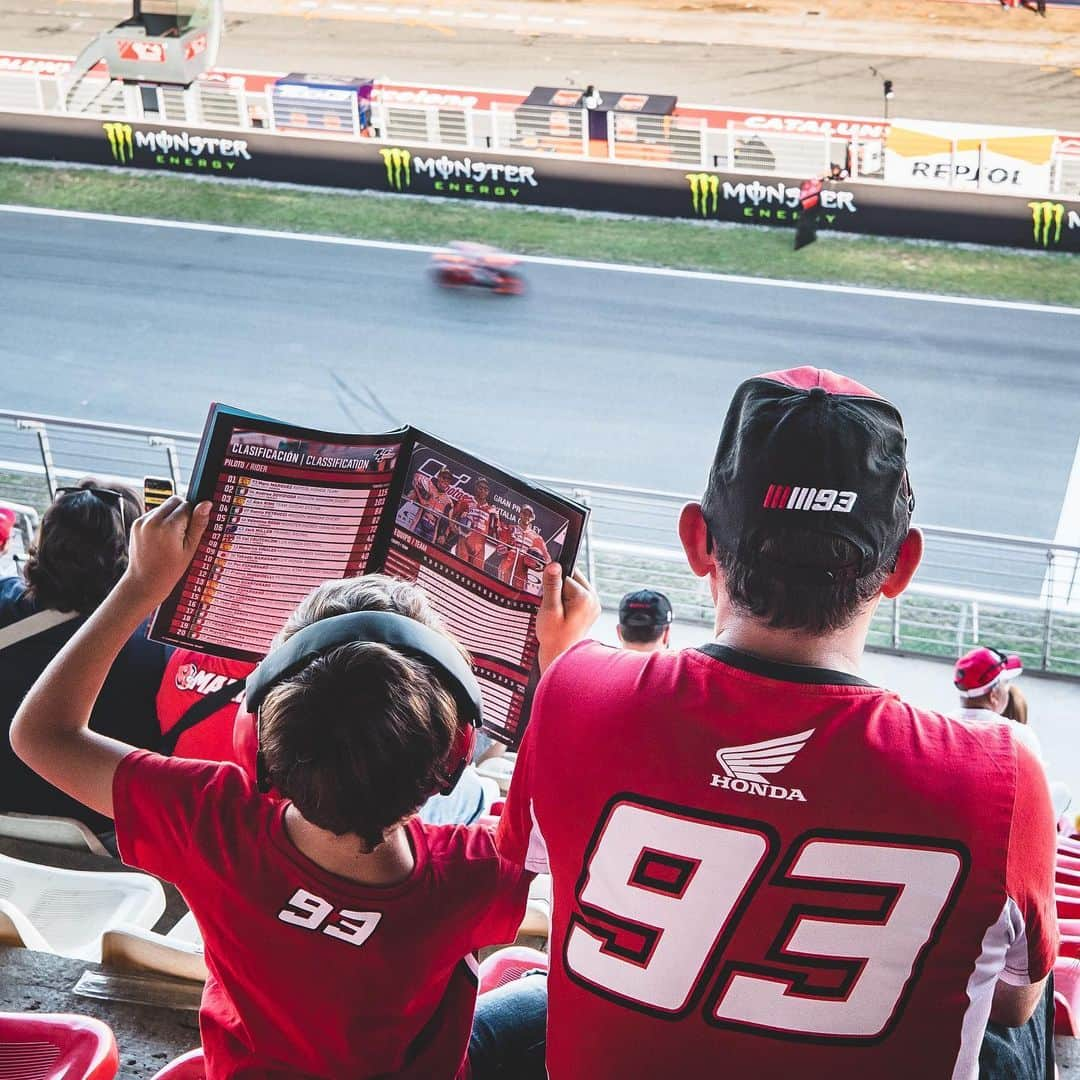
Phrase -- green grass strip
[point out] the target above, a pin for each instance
(1042, 277)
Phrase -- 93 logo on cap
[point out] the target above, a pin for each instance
(786, 497)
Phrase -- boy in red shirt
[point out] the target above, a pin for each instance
(339, 930)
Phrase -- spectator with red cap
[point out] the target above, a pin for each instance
(814, 878)
(8, 518)
(982, 677)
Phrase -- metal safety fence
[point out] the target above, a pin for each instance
(675, 140)
(1010, 591)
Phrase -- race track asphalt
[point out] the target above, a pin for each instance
(595, 374)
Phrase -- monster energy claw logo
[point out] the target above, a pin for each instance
(704, 186)
(120, 142)
(1047, 219)
(398, 172)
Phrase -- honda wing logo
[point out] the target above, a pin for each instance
(120, 142)
(398, 164)
(1047, 219)
(749, 769)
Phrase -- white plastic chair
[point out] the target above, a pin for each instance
(58, 831)
(133, 949)
(499, 769)
(17, 931)
(537, 920)
(178, 954)
(186, 930)
(71, 909)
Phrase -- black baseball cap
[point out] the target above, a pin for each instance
(645, 608)
(811, 450)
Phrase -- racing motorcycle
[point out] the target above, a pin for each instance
(477, 265)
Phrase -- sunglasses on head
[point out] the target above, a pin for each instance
(111, 498)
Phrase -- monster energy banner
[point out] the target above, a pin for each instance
(657, 191)
(456, 175)
(173, 149)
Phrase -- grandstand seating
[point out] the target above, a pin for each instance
(506, 965)
(57, 831)
(499, 769)
(187, 930)
(1067, 996)
(56, 1046)
(189, 1066)
(17, 931)
(537, 921)
(133, 948)
(177, 954)
(71, 909)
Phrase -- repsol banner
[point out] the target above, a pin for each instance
(1044, 224)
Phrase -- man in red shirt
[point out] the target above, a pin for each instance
(340, 932)
(763, 864)
(197, 704)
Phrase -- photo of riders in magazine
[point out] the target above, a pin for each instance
(293, 507)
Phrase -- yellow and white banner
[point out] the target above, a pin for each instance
(974, 157)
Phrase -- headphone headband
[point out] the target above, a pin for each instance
(385, 627)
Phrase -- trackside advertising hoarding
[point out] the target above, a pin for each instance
(1010, 161)
(704, 195)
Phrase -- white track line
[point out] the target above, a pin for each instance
(546, 260)
(1062, 582)
(1068, 529)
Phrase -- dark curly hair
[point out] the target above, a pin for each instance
(81, 549)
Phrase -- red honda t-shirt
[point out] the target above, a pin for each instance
(312, 976)
(774, 870)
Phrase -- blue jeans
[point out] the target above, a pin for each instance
(509, 1031)
(1023, 1053)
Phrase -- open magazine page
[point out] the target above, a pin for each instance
(292, 508)
(477, 540)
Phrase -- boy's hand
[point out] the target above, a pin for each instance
(567, 611)
(161, 547)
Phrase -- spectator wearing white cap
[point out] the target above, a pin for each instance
(982, 678)
(644, 621)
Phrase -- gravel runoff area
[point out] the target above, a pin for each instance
(964, 61)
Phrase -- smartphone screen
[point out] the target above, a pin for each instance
(156, 491)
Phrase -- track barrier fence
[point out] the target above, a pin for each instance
(675, 140)
(1015, 592)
